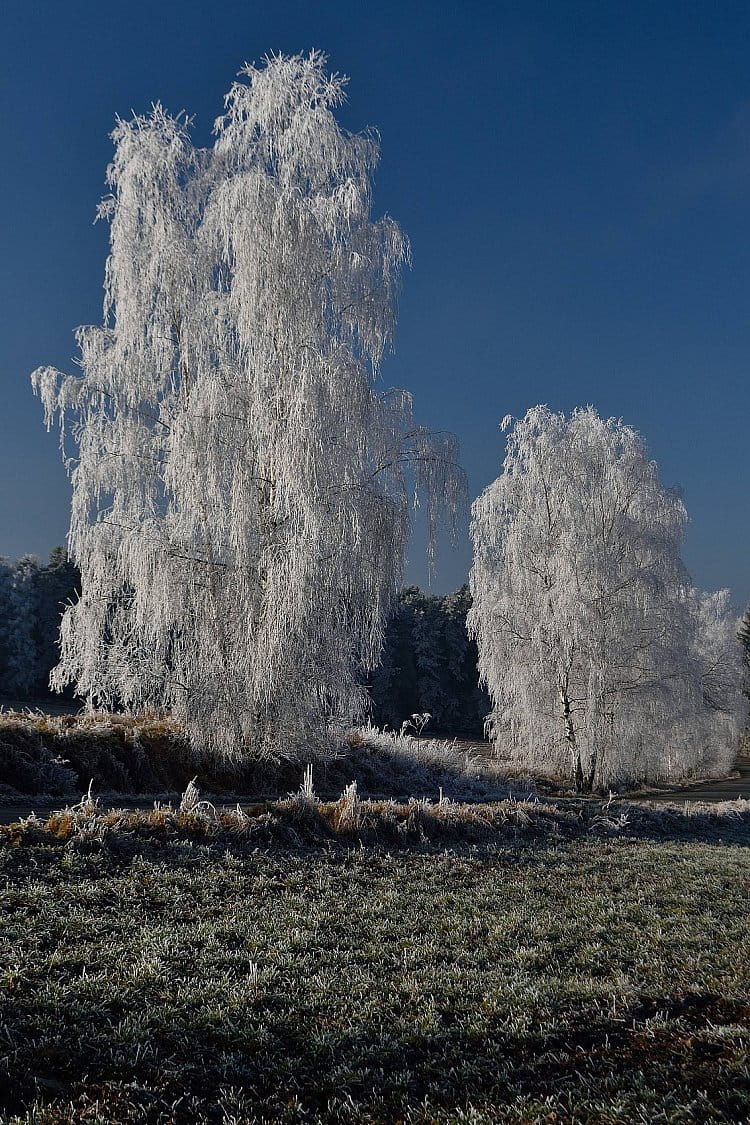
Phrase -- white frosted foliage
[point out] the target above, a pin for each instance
(602, 662)
(241, 492)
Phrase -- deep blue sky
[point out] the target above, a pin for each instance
(574, 179)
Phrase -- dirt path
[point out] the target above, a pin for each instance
(46, 706)
(710, 791)
(44, 806)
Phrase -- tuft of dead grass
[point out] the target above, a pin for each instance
(302, 819)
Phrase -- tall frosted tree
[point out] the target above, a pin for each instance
(602, 662)
(241, 493)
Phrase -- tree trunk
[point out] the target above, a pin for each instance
(570, 738)
(591, 773)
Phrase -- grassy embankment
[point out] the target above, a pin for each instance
(346, 961)
(59, 756)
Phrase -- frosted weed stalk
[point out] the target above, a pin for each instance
(307, 792)
(192, 805)
(417, 723)
(348, 810)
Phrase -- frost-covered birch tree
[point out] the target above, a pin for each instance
(602, 662)
(241, 490)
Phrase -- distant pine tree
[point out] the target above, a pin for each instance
(393, 684)
(469, 703)
(429, 664)
(6, 582)
(32, 601)
(428, 636)
(20, 603)
(58, 585)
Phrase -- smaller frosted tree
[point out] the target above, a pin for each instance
(602, 662)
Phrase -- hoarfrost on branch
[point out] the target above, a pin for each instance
(241, 490)
(603, 663)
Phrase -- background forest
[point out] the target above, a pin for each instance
(32, 599)
(429, 663)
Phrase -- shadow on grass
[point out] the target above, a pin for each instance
(59, 755)
(287, 1070)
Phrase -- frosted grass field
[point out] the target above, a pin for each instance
(175, 976)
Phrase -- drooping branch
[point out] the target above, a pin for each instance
(585, 617)
(241, 551)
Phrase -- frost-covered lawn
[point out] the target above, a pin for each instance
(560, 980)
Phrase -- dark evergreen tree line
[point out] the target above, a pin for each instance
(743, 636)
(32, 600)
(429, 664)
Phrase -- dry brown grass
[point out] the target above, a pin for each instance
(304, 820)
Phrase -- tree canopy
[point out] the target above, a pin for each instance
(601, 660)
